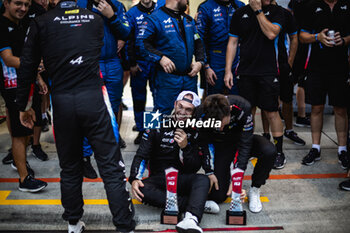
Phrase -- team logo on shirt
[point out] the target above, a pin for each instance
(217, 9)
(10, 29)
(344, 7)
(318, 9)
(140, 17)
(245, 16)
(267, 13)
(167, 21)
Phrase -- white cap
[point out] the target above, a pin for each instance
(196, 101)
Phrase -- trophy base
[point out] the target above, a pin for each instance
(236, 218)
(170, 217)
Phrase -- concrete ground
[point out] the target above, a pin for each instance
(295, 199)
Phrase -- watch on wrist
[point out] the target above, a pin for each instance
(258, 11)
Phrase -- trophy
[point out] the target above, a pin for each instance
(236, 215)
(170, 215)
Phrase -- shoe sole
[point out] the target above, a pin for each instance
(341, 165)
(13, 167)
(282, 166)
(344, 188)
(181, 230)
(39, 158)
(302, 125)
(255, 212)
(296, 143)
(309, 164)
(31, 190)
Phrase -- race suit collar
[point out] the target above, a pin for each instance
(144, 9)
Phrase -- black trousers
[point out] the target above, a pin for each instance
(192, 192)
(264, 150)
(82, 114)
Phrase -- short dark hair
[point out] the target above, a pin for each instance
(216, 106)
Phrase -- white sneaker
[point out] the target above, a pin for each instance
(211, 207)
(255, 205)
(78, 228)
(189, 224)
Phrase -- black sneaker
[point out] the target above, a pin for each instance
(280, 161)
(29, 169)
(344, 159)
(31, 185)
(39, 153)
(45, 127)
(345, 185)
(8, 159)
(88, 170)
(122, 142)
(302, 122)
(313, 156)
(294, 137)
(138, 138)
(134, 128)
(267, 136)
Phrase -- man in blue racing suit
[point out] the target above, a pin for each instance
(169, 38)
(115, 27)
(141, 70)
(213, 25)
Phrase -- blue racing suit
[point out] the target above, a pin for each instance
(174, 35)
(138, 83)
(213, 25)
(110, 64)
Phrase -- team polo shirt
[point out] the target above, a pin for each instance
(288, 29)
(258, 54)
(12, 37)
(318, 16)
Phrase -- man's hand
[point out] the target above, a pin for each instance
(255, 4)
(210, 76)
(348, 173)
(195, 68)
(167, 65)
(135, 189)
(42, 85)
(181, 138)
(243, 193)
(27, 118)
(121, 44)
(135, 69)
(105, 9)
(338, 39)
(213, 181)
(324, 39)
(228, 79)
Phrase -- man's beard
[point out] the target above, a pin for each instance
(181, 7)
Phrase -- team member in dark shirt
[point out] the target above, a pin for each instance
(328, 70)
(12, 32)
(257, 26)
(80, 105)
(298, 69)
(286, 54)
(234, 143)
